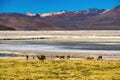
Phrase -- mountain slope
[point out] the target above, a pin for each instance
(2, 27)
(109, 20)
(91, 19)
(22, 22)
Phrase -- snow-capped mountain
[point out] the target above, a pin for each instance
(90, 19)
(92, 11)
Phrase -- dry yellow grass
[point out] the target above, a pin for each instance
(59, 70)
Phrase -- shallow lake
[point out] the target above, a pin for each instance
(62, 47)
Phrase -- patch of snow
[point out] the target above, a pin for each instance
(105, 11)
(30, 14)
(52, 14)
(46, 14)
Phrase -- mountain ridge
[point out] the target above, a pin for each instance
(90, 19)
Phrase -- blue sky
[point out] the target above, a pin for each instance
(44, 6)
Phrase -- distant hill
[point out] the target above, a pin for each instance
(2, 27)
(90, 19)
(23, 22)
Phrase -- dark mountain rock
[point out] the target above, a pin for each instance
(2, 27)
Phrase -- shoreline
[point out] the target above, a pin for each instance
(52, 55)
(61, 36)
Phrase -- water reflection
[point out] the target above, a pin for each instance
(38, 46)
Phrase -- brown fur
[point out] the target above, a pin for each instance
(42, 57)
(90, 58)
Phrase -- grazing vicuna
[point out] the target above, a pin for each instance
(60, 57)
(68, 57)
(100, 58)
(90, 58)
(57, 56)
(42, 57)
(33, 57)
(27, 57)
